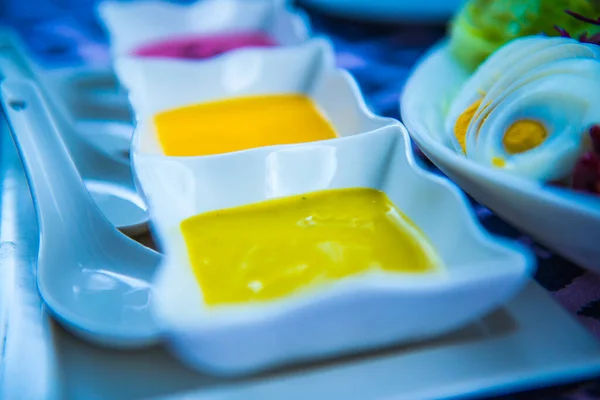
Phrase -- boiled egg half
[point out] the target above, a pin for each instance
(526, 109)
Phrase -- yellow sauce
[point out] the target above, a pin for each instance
(241, 123)
(272, 249)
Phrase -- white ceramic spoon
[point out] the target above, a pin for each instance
(95, 280)
(106, 171)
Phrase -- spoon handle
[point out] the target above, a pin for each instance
(60, 197)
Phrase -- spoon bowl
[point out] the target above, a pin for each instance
(95, 280)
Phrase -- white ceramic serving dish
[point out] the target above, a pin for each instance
(130, 25)
(530, 342)
(364, 312)
(389, 10)
(563, 220)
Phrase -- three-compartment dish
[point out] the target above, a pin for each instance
(294, 223)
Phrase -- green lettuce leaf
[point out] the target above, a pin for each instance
(482, 26)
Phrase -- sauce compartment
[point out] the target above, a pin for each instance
(355, 313)
(199, 30)
(156, 86)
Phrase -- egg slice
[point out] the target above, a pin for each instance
(469, 98)
(537, 129)
(494, 76)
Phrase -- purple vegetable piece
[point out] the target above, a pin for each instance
(586, 176)
(584, 38)
(582, 18)
(595, 135)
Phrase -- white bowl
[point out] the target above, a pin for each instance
(563, 220)
(362, 312)
(130, 25)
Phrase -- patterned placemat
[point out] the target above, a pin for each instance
(381, 58)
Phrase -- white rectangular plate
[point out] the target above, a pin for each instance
(532, 341)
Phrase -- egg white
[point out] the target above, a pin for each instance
(487, 75)
(495, 78)
(564, 97)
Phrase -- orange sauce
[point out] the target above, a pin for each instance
(241, 123)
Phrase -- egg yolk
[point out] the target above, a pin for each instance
(498, 162)
(272, 249)
(462, 124)
(523, 136)
(241, 123)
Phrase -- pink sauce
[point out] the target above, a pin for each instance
(205, 46)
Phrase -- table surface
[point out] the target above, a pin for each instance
(381, 58)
